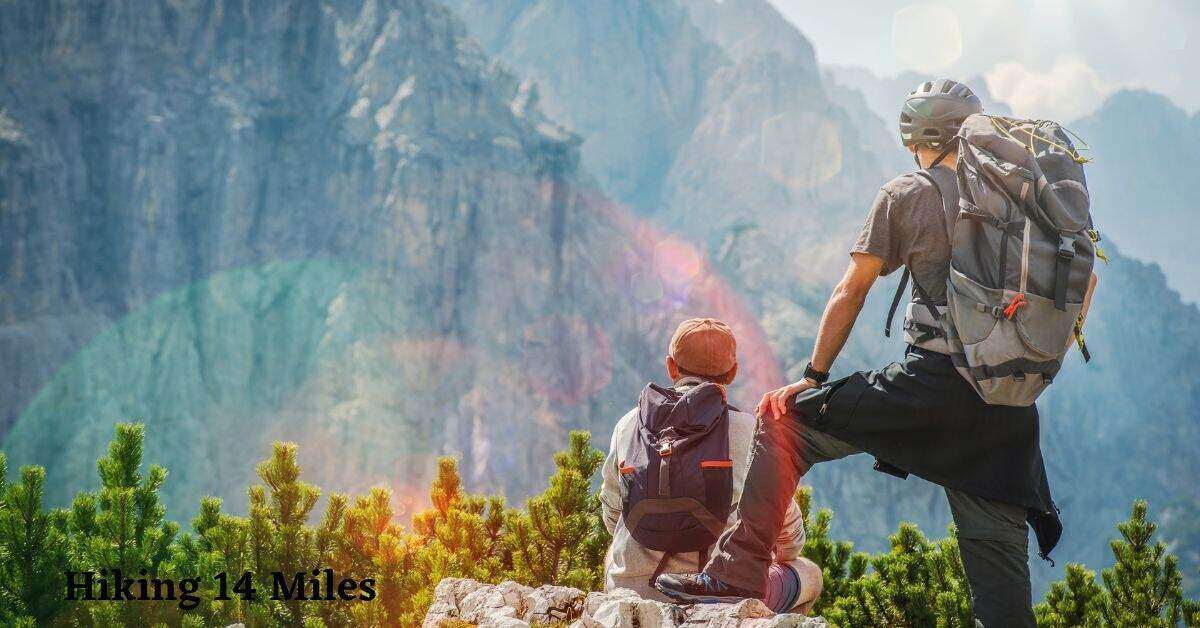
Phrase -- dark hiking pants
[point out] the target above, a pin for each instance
(992, 535)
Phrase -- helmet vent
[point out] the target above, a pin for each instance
(927, 87)
(905, 118)
(947, 86)
(930, 133)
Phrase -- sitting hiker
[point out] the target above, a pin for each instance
(674, 475)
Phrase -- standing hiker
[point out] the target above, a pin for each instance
(1022, 277)
(675, 469)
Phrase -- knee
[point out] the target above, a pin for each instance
(812, 582)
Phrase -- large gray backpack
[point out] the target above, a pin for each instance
(1022, 251)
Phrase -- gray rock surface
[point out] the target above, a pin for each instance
(511, 604)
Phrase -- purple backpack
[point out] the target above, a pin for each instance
(676, 475)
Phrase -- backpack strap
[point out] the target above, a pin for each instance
(1062, 270)
(887, 325)
(945, 181)
(671, 505)
(928, 302)
(664, 467)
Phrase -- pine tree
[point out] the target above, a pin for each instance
(838, 561)
(917, 583)
(559, 539)
(461, 534)
(123, 527)
(280, 539)
(372, 545)
(219, 545)
(1144, 586)
(33, 553)
(459, 537)
(1074, 601)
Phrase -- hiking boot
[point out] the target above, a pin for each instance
(700, 588)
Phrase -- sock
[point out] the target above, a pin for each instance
(783, 588)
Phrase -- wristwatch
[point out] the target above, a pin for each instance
(819, 377)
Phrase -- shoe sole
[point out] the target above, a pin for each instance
(689, 598)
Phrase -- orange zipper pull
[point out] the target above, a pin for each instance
(1017, 302)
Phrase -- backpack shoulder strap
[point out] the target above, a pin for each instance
(945, 181)
(887, 324)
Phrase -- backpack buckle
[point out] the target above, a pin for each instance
(1066, 248)
(664, 448)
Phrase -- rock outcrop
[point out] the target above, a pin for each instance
(509, 604)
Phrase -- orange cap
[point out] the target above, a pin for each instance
(704, 346)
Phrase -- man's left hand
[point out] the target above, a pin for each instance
(774, 403)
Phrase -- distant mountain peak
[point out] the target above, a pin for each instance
(748, 27)
(1141, 102)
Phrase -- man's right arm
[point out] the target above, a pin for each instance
(842, 310)
(836, 323)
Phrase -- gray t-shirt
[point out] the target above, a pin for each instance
(907, 227)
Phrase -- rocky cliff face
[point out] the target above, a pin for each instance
(337, 223)
(747, 28)
(652, 59)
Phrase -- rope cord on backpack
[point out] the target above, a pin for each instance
(1071, 151)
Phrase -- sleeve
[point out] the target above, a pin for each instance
(610, 487)
(790, 543)
(878, 237)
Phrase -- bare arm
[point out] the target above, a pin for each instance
(843, 307)
(836, 323)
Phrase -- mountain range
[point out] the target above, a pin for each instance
(393, 229)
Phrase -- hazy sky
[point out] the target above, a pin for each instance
(1058, 58)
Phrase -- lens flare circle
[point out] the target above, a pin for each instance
(676, 262)
(800, 149)
(926, 37)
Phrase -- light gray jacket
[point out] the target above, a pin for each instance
(628, 565)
